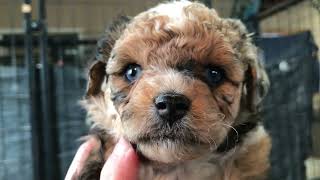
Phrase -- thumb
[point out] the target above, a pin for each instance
(122, 164)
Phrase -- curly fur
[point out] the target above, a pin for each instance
(163, 40)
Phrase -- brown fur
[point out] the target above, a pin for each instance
(252, 163)
(162, 45)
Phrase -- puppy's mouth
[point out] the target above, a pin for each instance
(163, 134)
(161, 138)
(156, 142)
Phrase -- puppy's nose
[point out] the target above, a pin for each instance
(172, 106)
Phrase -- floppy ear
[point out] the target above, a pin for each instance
(97, 75)
(97, 71)
(256, 85)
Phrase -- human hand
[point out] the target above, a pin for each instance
(122, 164)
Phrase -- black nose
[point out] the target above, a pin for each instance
(172, 106)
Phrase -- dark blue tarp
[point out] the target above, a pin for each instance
(294, 74)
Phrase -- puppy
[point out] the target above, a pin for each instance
(184, 86)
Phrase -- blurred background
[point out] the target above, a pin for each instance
(45, 47)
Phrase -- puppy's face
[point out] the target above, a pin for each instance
(174, 86)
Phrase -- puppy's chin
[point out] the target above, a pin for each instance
(171, 152)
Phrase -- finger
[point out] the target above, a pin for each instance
(81, 156)
(122, 164)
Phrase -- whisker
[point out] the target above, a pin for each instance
(215, 144)
(232, 129)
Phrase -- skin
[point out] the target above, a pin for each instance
(122, 164)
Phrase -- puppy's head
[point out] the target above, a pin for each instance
(174, 79)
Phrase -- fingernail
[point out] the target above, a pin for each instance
(122, 147)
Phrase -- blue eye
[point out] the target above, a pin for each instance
(215, 75)
(132, 72)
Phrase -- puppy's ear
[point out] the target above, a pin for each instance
(97, 71)
(97, 75)
(256, 85)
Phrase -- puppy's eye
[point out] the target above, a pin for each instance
(215, 75)
(132, 72)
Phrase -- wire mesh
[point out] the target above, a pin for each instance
(15, 135)
(70, 81)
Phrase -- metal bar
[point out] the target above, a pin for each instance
(50, 135)
(234, 8)
(62, 42)
(277, 8)
(34, 101)
(207, 3)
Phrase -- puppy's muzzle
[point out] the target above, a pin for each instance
(171, 107)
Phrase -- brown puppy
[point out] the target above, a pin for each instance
(183, 86)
